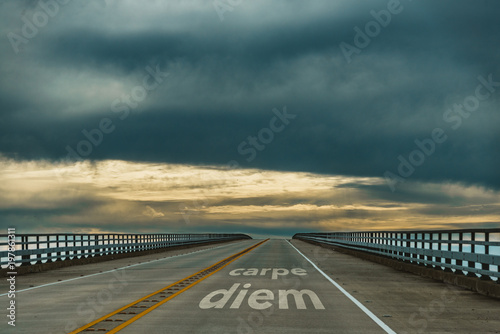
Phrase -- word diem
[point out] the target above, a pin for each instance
(259, 299)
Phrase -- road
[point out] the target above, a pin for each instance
(270, 288)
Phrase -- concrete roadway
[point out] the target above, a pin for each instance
(272, 289)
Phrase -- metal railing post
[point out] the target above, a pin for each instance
(472, 264)
(486, 266)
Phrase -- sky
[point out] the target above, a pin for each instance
(262, 117)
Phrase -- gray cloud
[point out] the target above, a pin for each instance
(225, 78)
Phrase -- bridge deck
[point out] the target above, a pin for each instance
(270, 289)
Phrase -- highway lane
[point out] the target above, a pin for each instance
(272, 289)
(63, 306)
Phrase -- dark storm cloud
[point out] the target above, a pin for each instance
(225, 77)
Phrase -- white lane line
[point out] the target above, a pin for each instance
(110, 271)
(379, 322)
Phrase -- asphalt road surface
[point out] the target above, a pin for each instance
(250, 286)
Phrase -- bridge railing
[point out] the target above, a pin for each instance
(475, 252)
(43, 248)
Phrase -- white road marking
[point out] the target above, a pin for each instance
(255, 299)
(379, 322)
(110, 271)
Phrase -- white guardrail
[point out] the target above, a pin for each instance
(474, 252)
(42, 248)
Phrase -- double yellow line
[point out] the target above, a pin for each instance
(205, 273)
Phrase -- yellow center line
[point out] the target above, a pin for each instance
(140, 315)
